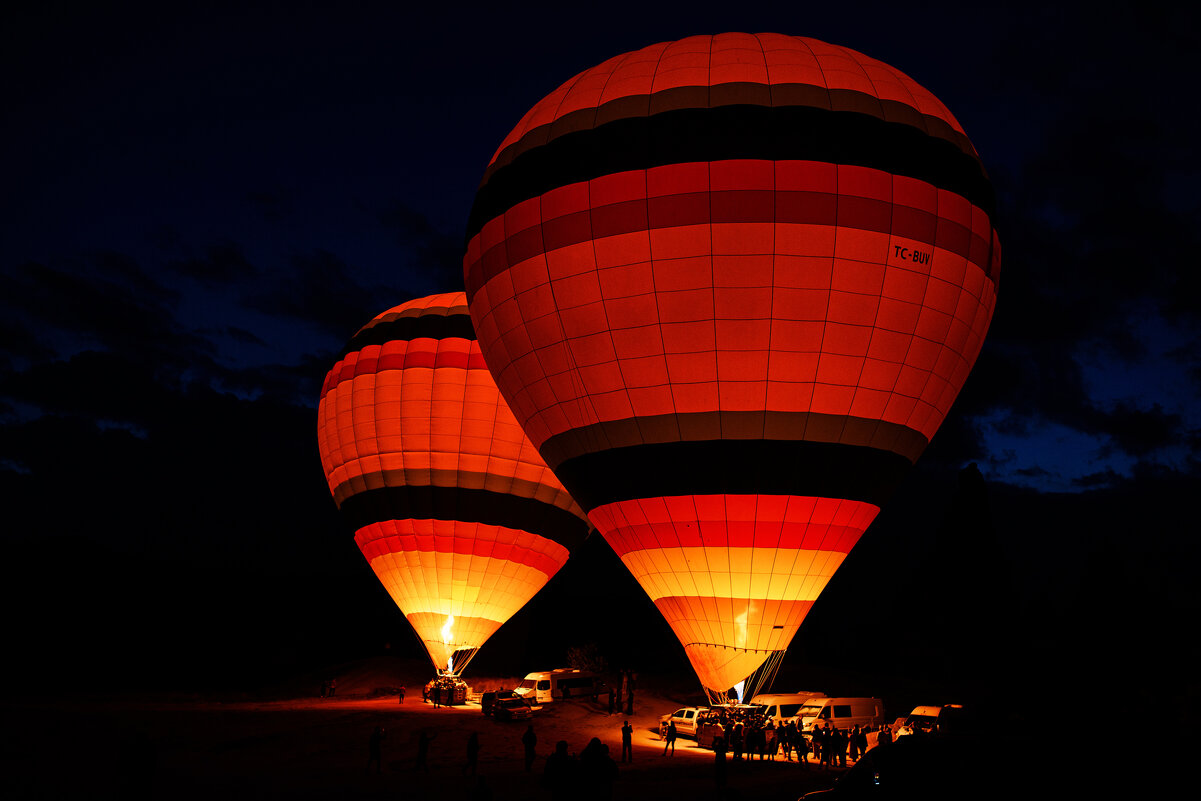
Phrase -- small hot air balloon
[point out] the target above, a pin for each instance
(452, 506)
(730, 286)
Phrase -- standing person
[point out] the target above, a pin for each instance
(333, 687)
(862, 738)
(424, 738)
(885, 735)
(719, 763)
(530, 741)
(627, 742)
(773, 743)
(671, 739)
(853, 744)
(402, 694)
(787, 734)
(802, 750)
(374, 747)
(473, 753)
(559, 777)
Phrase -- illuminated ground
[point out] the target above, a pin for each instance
(317, 748)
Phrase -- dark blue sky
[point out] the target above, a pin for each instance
(201, 205)
(246, 187)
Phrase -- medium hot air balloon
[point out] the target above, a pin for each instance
(730, 286)
(452, 506)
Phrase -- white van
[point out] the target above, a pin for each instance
(927, 719)
(783, 707)
(555, 685)
(841, 713)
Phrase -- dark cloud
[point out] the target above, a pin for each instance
(323, 291)
(222, 264)
(434, 251)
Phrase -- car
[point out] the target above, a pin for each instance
(685, 720)
(488, 699)
(510, 709)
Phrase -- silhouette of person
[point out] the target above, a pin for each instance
(374, 749)
(333, 687)
(719, 762)
(424, 738)
(402, 694)
(598, 771)
(671, 739)
(627, 742)
(530, 741)
(473, 753)
(559, 774)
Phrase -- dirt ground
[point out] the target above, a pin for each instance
(314, 748)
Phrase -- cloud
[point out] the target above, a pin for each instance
(222, 264)
(321, 290)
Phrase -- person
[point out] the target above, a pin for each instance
(333, 687)
(473, 753)
(862, 738)
(671, 739)
(853, 744)
(773, 743)
(885, 735)
(529, 740)
(786, 736)
(424, 738)
(736, 740)
(719, 762)
(802, 750)
(598, 771)
(627, 742)
(402, 694)
(437, 695)
(559, 775)
(374, 749)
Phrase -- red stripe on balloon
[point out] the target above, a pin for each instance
(733, 521)
(470, 539)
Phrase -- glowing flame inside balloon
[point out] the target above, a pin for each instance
(446, 635)
(738, 689)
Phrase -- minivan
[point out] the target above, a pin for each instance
(555, 685)
(783, 707)
(841, 713)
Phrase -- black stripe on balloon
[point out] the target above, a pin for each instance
(425, 326)
(733, 467)
(465, 505)
(773, 133)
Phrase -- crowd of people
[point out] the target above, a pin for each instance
(829, 746)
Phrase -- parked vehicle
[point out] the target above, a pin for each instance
(555, 685)
(510, 709)
(842, 713)
(488, 699)
(930, 720)
(783, 707)
(685, 720)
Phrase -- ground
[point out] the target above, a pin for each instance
(312, 747)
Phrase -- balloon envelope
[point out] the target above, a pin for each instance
(451, 505)
(730, 287)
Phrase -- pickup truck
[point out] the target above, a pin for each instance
(685, 720)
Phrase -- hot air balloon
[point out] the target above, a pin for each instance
(730, 286)
(450, 503)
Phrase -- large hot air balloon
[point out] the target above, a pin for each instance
(730, 287)
(452, 506)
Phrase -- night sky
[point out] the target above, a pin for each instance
(201, 206)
